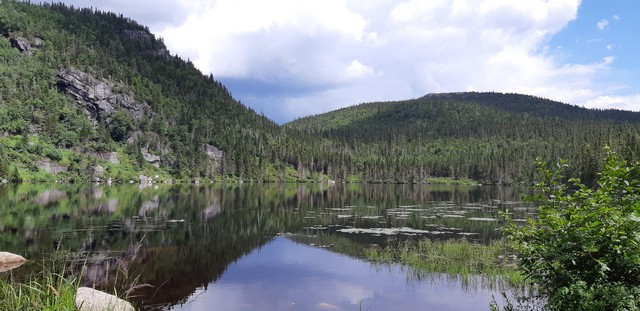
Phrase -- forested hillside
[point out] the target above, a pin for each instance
(489, 137)
(88, 95)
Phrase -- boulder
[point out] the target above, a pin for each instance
(89, 299)
(10, 261)
(151, 158)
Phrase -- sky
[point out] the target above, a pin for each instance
(293, 58)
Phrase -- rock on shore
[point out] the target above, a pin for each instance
(89, 299)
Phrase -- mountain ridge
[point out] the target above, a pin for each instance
(486, 136)
(506, 101)
(94, 96)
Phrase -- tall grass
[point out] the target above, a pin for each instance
(490, 263)
(54, 285)
(43, 291)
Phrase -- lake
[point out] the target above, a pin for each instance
(253, 246)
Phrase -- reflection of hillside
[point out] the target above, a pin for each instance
(332, 242)
(196, 254)
(179, 238)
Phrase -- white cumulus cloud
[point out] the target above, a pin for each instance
(602, 24)
(291, 58)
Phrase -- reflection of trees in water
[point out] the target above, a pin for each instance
(181, 237)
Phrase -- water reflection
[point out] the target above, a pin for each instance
(183, 239)
(284, 275)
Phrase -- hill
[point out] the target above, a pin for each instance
(88, 95)
(490, 137)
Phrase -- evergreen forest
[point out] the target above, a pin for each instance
(87, 95)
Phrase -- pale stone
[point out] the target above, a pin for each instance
(89, 299)
(10, 261)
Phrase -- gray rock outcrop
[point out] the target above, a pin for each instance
(213, 152)
(151, 158)
(26, 46)
(111, 157)
(148, 41)
(139, 35)
(97, 97)
(89, 299)
(50, 167)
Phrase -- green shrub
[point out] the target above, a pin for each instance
(53, 154)
(583, 250)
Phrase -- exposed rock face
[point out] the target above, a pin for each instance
(89, 299)
(111, 157)
(139, 35)
(20, 44)
(213, 152)
(26, 46)
(133, 137)
(51, 167)
(97, 96)
(97, 172)
(151, 158)
(162, 52)
(148, 41)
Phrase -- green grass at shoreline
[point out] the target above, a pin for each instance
(45, 291)
(451, 181)
(459, 258)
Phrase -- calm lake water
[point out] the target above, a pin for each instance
(253, 246)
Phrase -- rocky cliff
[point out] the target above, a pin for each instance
(97, 96)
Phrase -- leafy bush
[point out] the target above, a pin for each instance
(53, 154)
(583, 250)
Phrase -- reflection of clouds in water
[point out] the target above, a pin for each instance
(284, 275)
(214, 299)
(354, 293)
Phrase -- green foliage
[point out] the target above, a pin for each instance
(121, 125)
(4, 163)
(583, 250)
(454, 257)
(46, 290)
(15, 176)
(484, 137)
(487, 137)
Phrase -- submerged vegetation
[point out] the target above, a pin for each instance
(582, 251)
(493, 263)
